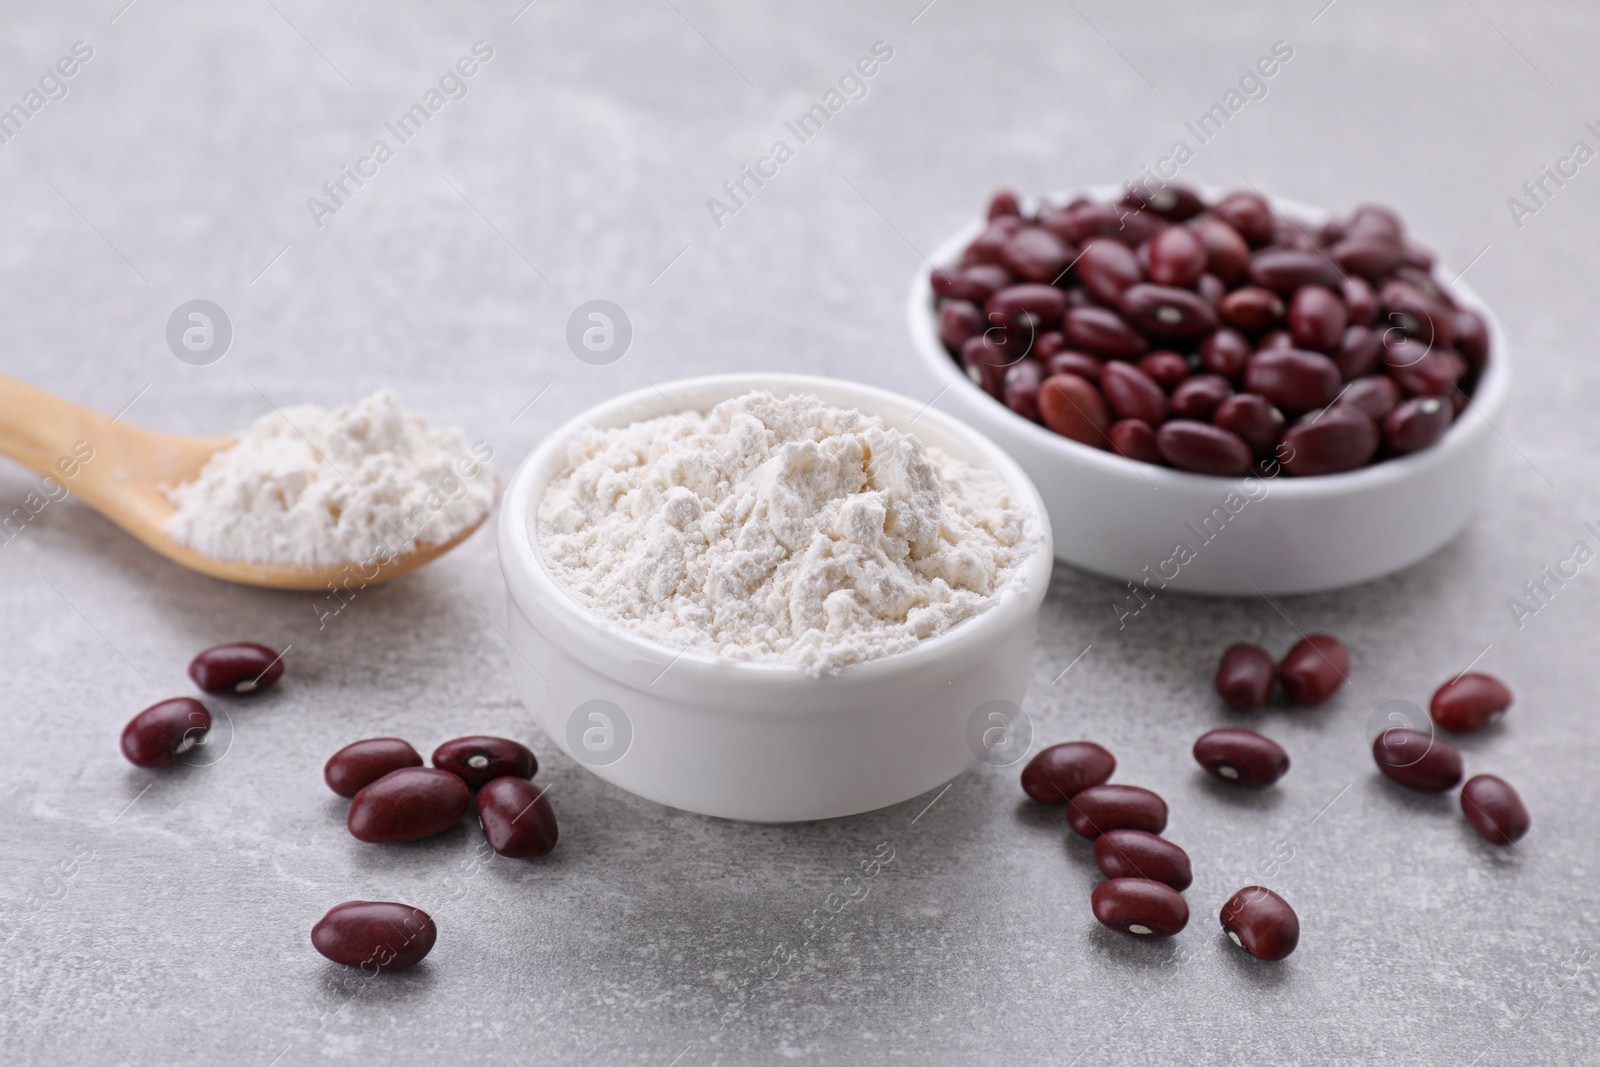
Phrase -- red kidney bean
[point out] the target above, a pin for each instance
(1131, 393)
(1058, 773)
(1360, 301)
(1375, 219)
(1093, 811)
(1417, 314)
(360, 763)
(975, 283)
(1048, 344)
(1241, 756)
(1369, 255)
(1292, 380)
(1177, 257)
(1261, 922)
(1027, 307)
(959, 321)
(990, 379)
(161, 733)
(1140, 906)
(517, 820)
(1168, 312)
(1283, 270)
(237, 668)
(1036, 255)
(1374, 394)
(1252, 308)
(374, 935)
(1074, 362)
(1074, 408)
(478, 760)
(1004, 202)
(1166, 369)
(1172, 202)
(1082, 221)
(987, 246)
(1274, 339)
(1103, 332)
(1417, 423)
(1106, 268)
(1136, 854)
(1253, 418)
(1359, 351)
(1314, 669)
(1135, 439)
(1338, 438)
(1434, 373)
(1286, 234)
(1246, 676)
(1211, 289)
(1021, 388)
(1227, 253)
(1472, 337)
(1225, 352)
(1494, 809)
(1249, 213)
(1203, 448)
(1417, 760)
(1198, 397)
(1470, 702)
(408, 805)
(1317, 319)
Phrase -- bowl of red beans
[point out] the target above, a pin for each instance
(1219, 392)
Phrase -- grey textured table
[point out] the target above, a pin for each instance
(163, 918)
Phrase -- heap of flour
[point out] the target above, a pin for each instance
(779, 529)
(311, 486)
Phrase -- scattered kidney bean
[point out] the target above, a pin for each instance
(1131, 393)
(1224, 352)
(1339, 438)
(374, 935)
(1241, 756)
(1417, 423)
(517, 820)
(237, 668)
(1494, 809)
(1166, 369)
(1469, 702)
(1021, 387)
(1292, 380)
(1102, 332)
(1073, 407)
(1203, 448)
(1166, 311)
(1374, 394)
(1252, 308)
(1261, 922)
(164, 731)
(1058, 773)
(1314, 669)
(1135, 439)
(478, 760)
(1099, 808)
(1246, 677)
(1137, 854)
(408, 805)
(1253, 418)
(1417, 760)
(1177, 257)
(360, 763)
(1317, 319)
(1072, 361)
(1198, 397)
(1140, 906)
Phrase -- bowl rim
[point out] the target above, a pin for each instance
(529, 575)
(1487, 400)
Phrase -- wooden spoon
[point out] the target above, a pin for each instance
(120, 471)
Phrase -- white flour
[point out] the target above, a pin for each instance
(772, 529)
(312, 486)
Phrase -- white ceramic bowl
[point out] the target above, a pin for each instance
(762, 741)
(1125, 519)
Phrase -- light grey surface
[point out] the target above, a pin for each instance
(163, 918)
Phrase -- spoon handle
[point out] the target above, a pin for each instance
(47, 434)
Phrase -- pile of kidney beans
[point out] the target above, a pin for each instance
(1214, 338)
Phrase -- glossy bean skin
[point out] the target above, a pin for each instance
(517, 819)
(1004, 202)
(1472, 337)
(1227, 252)
(1036, 255)
(975, 284)
(1470, 702)
(987, 246)
(1254, 419)
(1317, 319)
(1494, 809)
(1294, 381)
(408, 805)
(1225, 352)
(1261, 922)
(1283, 270)
(241, 667)
(1314, 669)
(1339, 438)
(1029, 306)
(1102, 332)
(1058, 773)
(1273, 340)
(960, 321)
(1246, 677)
(161, 733)
(1140, 906)
(478, 760)
(1417, 314)
(1020, 388)
(1177, 257)
(1136, 854)
(1241, 756)
(1433, 373)
(1134, 439)
(1099, 808)
(1107, 268)
(1374, 394)
(1132, 394)
(1167, 311)
(1368, 255)
(1174, 203)
(1166, 369)
(1199, 396)
(1203, 448)
(375, 935)
(1074, 408)
(1417, 760)
(1252, 308)
(1071, 361)
(1360, 301)
(1249, 213)
(360, 763)
(1417, 423)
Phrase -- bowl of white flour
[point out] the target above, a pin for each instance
(773, 597)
